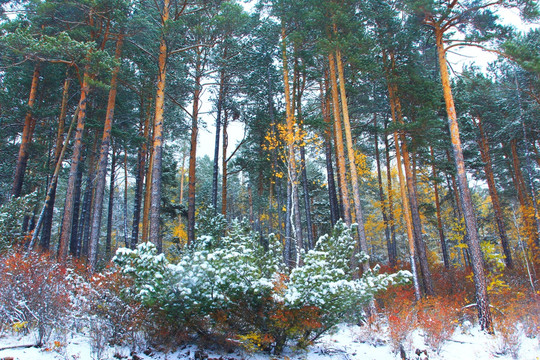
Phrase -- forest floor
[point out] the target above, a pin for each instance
(346, 342)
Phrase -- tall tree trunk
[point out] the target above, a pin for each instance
(291, 157)
(273, 184)
(221, 95)
(75, 158)
(390, 191)
(493, 194)
(26, 138)
(193, 149)
(482, 300)
(75, 247)
(147, 196)
(340, 152)
(408, 217)
(395, 111)
(332, 195)
(442, 238)
(101, 172)
(88, 198)
(389, 247)
(224, 165)
(139, 177)
(126, 186)
(154, 235)
(110, 210)
(51, 191)
(59, 147)
(352, 163)
(288, 248)
(307, 203)
(397, 115)
(415, 213)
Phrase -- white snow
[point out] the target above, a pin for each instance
(346, 342)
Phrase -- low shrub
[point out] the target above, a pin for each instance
(36, 293)
(438, 318)
(118, 318)
(231, 287)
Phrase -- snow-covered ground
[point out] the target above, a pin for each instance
(347, 342)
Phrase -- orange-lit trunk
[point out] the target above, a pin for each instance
(101, 172)
(362, 241)
(408, 218)
(26, 138)
(51, 192)
(391, 216)
(328, 135)
(338, 133)
(389, 244)
(482, 299)
(415, 214)
(154, 234)
(75, 158)
(407, 181)
(193, 150)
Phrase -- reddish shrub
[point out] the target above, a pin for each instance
(438, 317)
(35, 292)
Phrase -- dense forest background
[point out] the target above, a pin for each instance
(349, 109)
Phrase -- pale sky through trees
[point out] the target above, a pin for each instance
(458, 58)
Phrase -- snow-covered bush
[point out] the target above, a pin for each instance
(326, 281)
(150, 272)
(232, 286)
(216, 274)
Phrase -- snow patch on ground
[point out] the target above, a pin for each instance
(345, 342)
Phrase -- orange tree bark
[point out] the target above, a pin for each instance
(397, 116)
(408, 218)
(494, 195)
(101, 172)
(338, 133)
(193, 150)
(403, 186)
(26, 138)
(390, 190)
(362, 240)
(75, 158)
(325, 109)
(480, 282)
(51, 192)
(154, 234)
